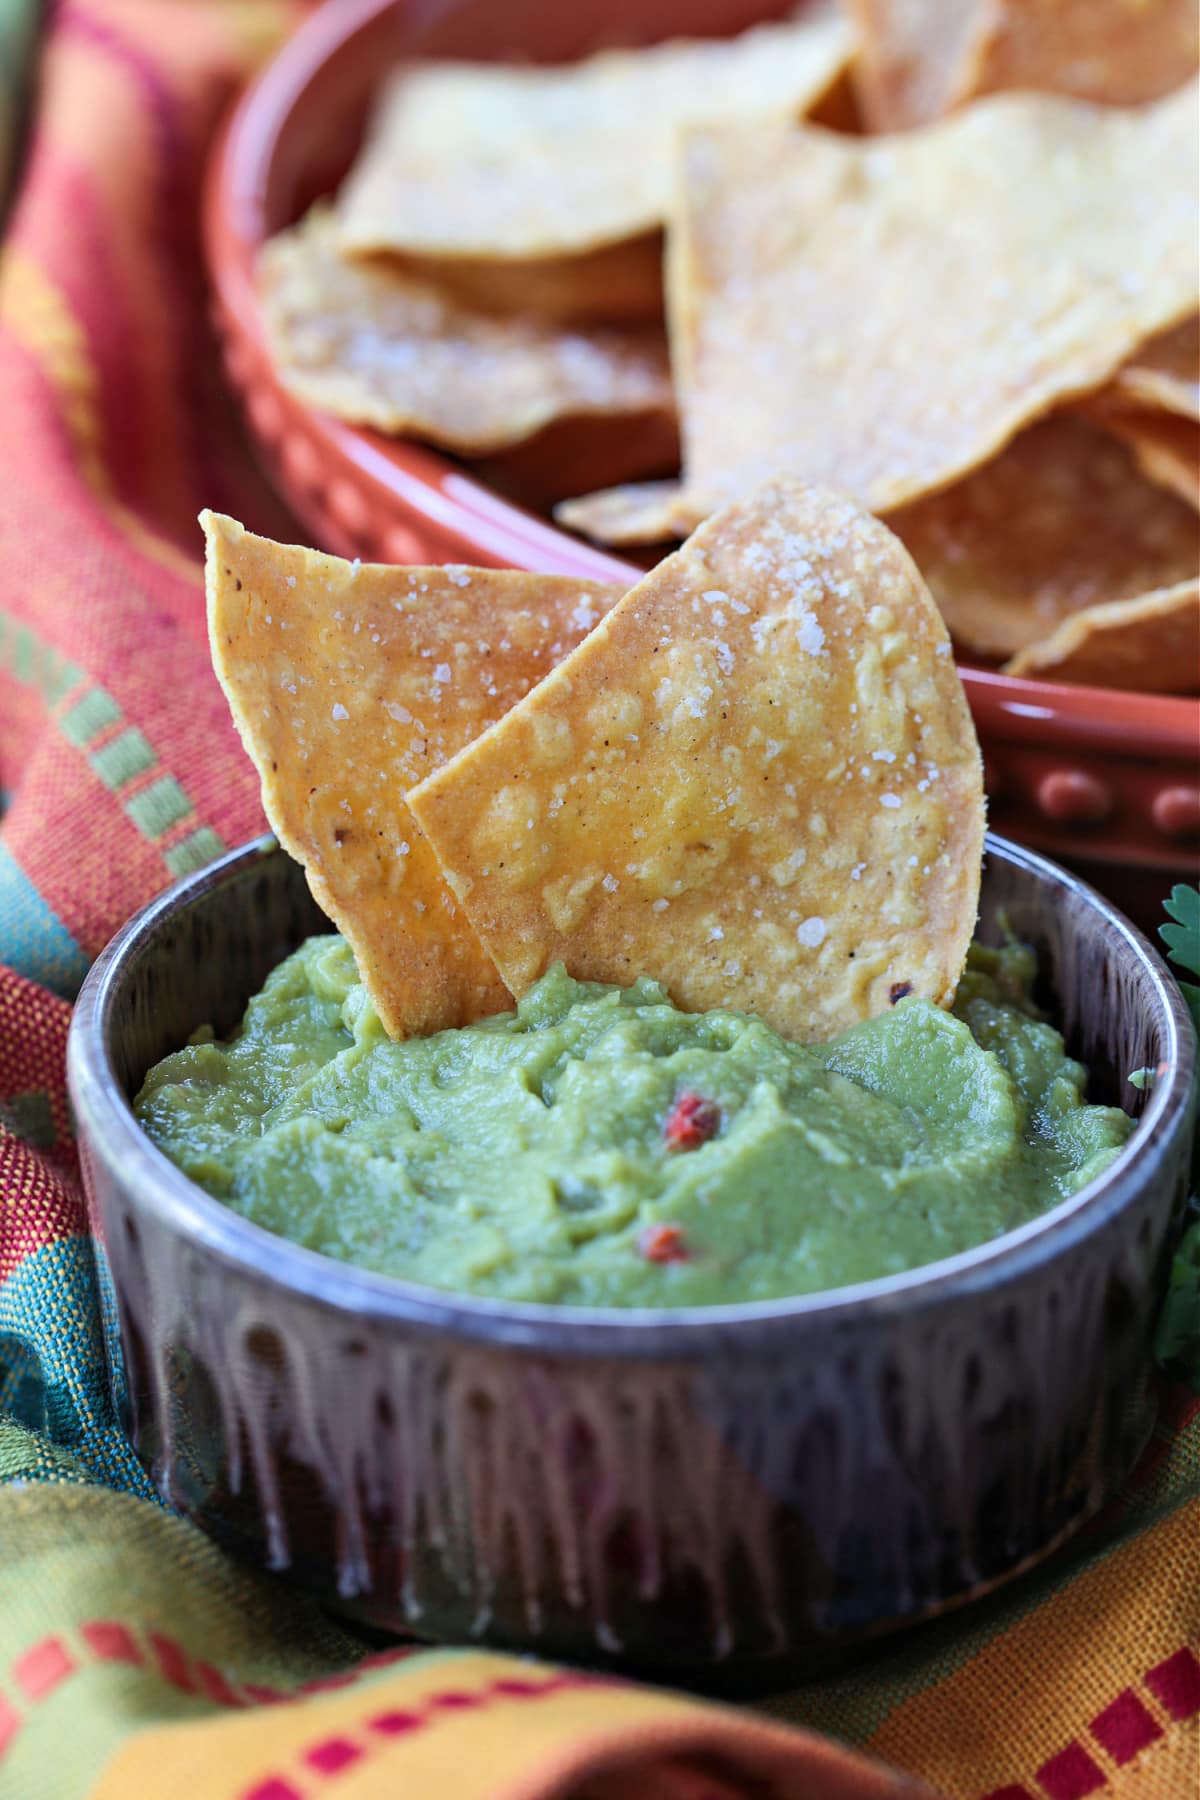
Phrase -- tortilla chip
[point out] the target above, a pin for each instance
(757, 781)
(580, 453)
(616, 284)
(918, 59)
(1167, 448)
(346, 683)
(1163, 374)
(373, 345)
(883, 314)
(1151, 644)
(644, 512)
(486, 159)
(1060, 520)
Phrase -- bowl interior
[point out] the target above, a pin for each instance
(196, 958)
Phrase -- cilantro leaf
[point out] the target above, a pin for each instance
(1177, 1337)
(1182, 936)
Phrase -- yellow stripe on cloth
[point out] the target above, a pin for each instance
(1035, 1691)
(474, 1726)
(40, 319)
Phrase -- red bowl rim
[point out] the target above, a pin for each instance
(437, 490)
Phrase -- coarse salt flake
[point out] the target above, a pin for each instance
(811, 933)
(339, 711)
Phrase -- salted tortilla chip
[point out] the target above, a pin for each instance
(883, 314)
(1061, 519)
(757, 781)
(918, 59)
(1150, 645)
(643, 512)
(1163, 374)
(347, 683)
(373, 345)
(1167, 448)
(487, 159)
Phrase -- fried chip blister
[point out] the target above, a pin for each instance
(484, 159)
(1150, 644)
(884, 314)
(1062, 519)
(374, 345)
(918, 59)
(347, 683)
(757, 780)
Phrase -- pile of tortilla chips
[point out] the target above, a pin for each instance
(753, 776)
(968, 297)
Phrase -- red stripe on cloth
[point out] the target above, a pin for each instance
(327, 1684)
(453, 1701)
(332, 1755)
(112, 1642)
(1012, 1792)
(10, 1721)
(1125, 1727)
(215, 1686)
(1176, 1682)
(40, 1670)
(172, 1661)
(273, 1788)
(1071, 1774)
(395, 1724)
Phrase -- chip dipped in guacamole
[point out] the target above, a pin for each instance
(598, 1147)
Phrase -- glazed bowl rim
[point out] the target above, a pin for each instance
(107, 1126)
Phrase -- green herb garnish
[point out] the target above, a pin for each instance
(1177, 1338)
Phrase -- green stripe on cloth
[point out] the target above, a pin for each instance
(157, 808)
(91, 714)
(33, 941)
(123, 757)
(195, 851)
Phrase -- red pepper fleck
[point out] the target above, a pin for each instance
(662, 1243)
(691, 1122)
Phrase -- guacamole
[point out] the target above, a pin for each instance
(600, 1148)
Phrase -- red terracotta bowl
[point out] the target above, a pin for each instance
(1108, 781)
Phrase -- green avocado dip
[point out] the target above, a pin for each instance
(598, 1147)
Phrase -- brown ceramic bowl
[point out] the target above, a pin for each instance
(1108, 781)
(713, 1488)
